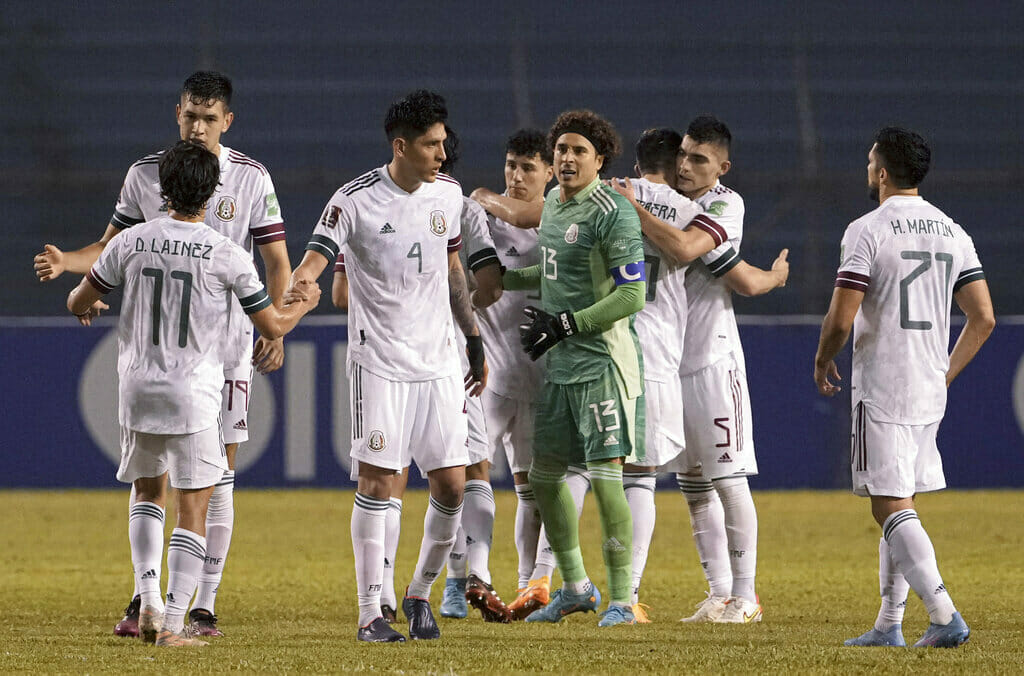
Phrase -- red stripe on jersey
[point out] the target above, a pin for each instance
(448, 179)
(455, 244)
(339, 265)
(239, 158)
(716, 231)
(268, 233)
(98, 283)
(852, 280)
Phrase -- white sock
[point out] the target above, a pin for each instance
(185, 555)
(577, 587)
(578, 480)
(639, 490)
(741, 529)
(708, 522)
(440, 526)
(527, 531)
(220, 521)
(545, 565)
(457, 557)
(146, 538)
(912, 551)
(893, 588)
(131, 503)
(478, 523)
(368, 524)
(392, 530)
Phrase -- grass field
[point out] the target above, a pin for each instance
(288, 598)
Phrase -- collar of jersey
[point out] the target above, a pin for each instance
(581, 195)
(385, 176)
(223, 157)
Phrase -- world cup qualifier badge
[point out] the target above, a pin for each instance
(226, 208)
(438, 225)
(376, 441)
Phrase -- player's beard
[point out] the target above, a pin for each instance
(873, 193)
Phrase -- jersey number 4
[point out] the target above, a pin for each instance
(925, 258)
(158, 292)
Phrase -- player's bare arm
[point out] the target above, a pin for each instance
(683, 246)
(976, 304)
(268, 356)
(274, 322)
(339, 291)
(749, 280)
(462, 312)
(85, 302)
(513, 211)
(835, 331)
(488, 286)
(308, 271)
(51, 262)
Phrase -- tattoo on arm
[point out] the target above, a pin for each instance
(458, 293)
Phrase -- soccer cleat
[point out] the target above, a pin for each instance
(565, 602)
(945, 635)
(453, 602)
(482, 596)
(183, 639)
(708, 610)
(203, 622)
(617, 615)
(388, 613)
(129, 624)
(739, 610)
(379, 631)
(148, 623)
(422, 625)
(534, 596)
(874, 638)
(640, 613)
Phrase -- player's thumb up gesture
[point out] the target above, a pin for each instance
(781, 267)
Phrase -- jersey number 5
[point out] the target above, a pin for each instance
(158, 291)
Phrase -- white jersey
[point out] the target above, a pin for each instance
(909, 259)
(511, 373)
(243, 208)
(711, 331)
(661, 325)
(396, 247)
(477, 252)
(178, 278)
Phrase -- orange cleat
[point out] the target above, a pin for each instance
(534, 596)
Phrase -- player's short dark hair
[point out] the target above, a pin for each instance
(451, 150)
(529, 142)
(709, 129)
(204, 86)
(189, 173)
(657, 150)
(905, 155)
(595, 128)
(413, 115)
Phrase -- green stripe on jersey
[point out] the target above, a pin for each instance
(324, 246)
(256, 302)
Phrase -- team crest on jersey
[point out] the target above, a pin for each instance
(376, 441)
(717, 208)
(226, 208)
(438, 225)
(572, 234)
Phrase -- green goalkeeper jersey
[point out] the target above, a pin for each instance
(582, 242)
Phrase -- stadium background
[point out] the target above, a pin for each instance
(90, 87)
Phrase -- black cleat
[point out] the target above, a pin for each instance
(203, 622)
(379, 631)
(421, 619)
(388, 613)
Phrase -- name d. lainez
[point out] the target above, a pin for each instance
(175, 247)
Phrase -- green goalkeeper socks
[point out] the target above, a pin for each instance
(616, 528)
(558, 512)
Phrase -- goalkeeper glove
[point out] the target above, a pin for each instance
(543, 331)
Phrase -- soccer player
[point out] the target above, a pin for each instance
(245, 209)
(591, 278)
(719, 456)
(400, 227)
(178, 275)
(901, 265)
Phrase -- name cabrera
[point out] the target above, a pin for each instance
(175, 247)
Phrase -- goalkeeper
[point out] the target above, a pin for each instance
(591, 408)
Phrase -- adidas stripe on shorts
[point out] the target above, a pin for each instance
(893, 460)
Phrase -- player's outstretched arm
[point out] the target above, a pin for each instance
(462, 313)
(683, 246)
(51, 262)
(976, 303)
(515, 212)
(268, 355)
(273, 322)
(308, 271)
(488, 285)
(835, 331)
(748, 280)
(521, 279)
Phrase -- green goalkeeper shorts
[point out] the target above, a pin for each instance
(589, 421)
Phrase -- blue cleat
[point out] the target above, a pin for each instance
(617, 615)
(565, 602)
(878, 639)
(453, 603)
(945, 635)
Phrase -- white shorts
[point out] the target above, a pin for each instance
(477, 445)
(395, 422)
(664, 434)
(234, 405)
(893, 460)
(719, 438)
(194, 460)
(509, 427)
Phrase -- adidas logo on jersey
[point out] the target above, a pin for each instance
(725, 457)
(611, 440)
(240, 425)
(387, 230)
(512, 251)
